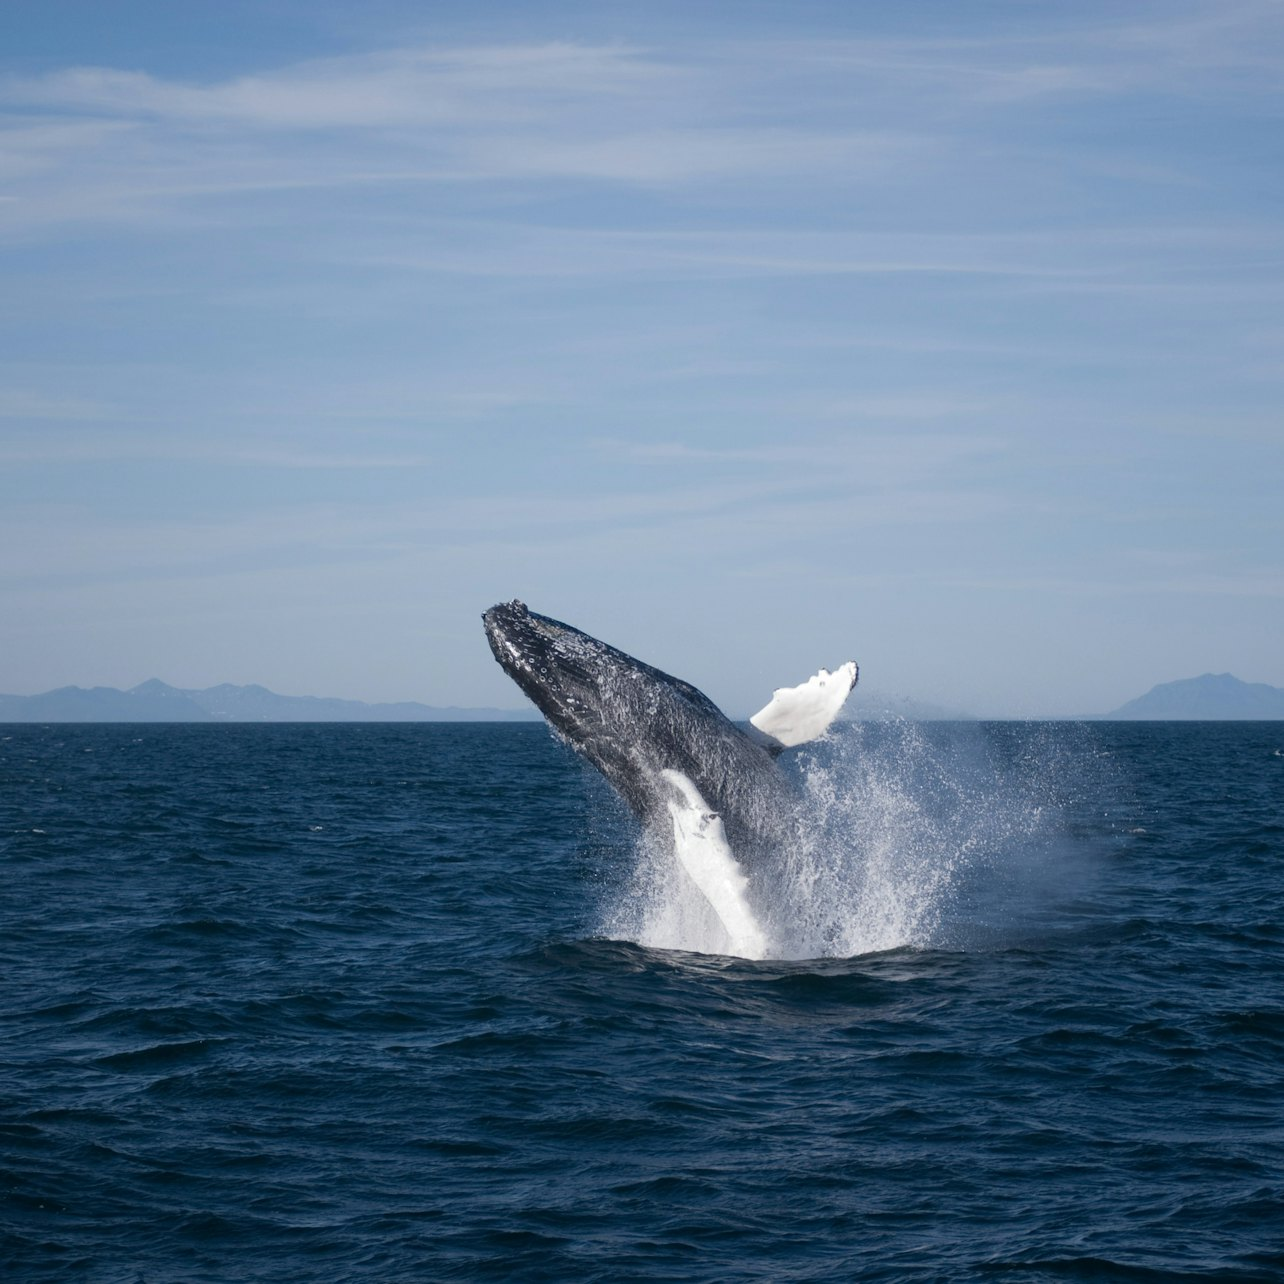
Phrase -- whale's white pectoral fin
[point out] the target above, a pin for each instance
(701, 844)
(798, 714)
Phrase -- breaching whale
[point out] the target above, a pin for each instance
(687, 771)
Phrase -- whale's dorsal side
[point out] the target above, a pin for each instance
(795, 715)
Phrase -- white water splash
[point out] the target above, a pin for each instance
(897, 824)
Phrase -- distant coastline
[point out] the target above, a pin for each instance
(1212, 697)
(156, 701)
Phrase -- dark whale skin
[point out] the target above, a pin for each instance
(633, 722)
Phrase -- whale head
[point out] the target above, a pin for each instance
(562, 670)
(581, 685)
(631, 721)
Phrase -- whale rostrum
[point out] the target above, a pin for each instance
(684, 768)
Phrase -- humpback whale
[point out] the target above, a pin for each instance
(692, 777)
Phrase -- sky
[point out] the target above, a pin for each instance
(946, 337)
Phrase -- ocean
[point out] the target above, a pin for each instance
(415, 1002)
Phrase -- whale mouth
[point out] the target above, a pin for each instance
(513, 638)
(539, 655)
(514, 630)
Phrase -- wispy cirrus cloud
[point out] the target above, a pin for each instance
(116, 145)
(1097, 260)
(428, 86)
(24, 404)
(1235, 48)
(101, 144)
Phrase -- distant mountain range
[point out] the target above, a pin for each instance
(1215, 697)
(156, 701)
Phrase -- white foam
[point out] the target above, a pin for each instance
(896, 826)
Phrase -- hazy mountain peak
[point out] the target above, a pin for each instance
(152, 687)
(1211, 696)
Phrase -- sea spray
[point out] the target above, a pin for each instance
(907, 835)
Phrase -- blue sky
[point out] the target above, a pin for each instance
(750, 337)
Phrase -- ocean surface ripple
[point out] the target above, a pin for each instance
(379, 1002)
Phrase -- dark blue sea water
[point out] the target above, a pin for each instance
(388, 1003)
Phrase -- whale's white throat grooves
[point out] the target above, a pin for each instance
(700, 842)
